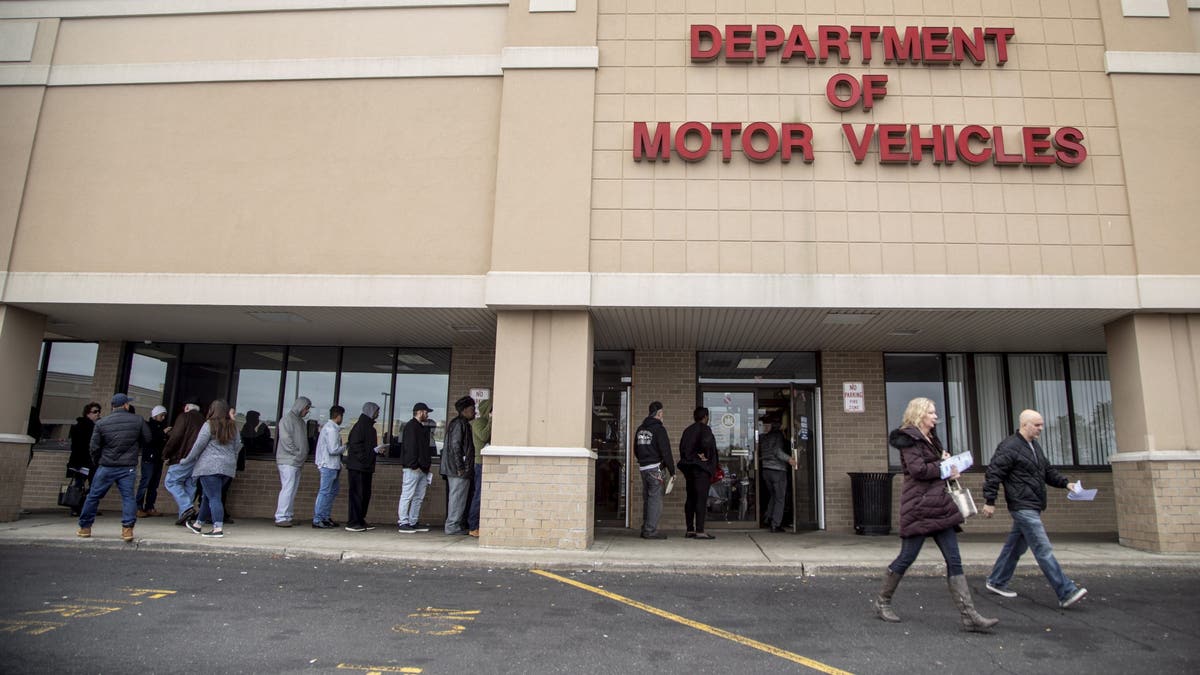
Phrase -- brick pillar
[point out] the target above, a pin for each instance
(539, 475)
(104, 379)
(852, 441)
(20, 340)
(1154, 363)
(669, 377)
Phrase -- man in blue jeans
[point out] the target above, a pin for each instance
(1022, 467)
(329, 463)
(116, 447)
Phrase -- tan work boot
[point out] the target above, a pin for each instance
(84, 532)
(126, 534)
(474, 533)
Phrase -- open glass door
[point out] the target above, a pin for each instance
(733, 499)
(804, 434)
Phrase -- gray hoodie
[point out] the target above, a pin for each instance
(293, 435)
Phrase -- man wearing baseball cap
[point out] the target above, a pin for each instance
(116, 448)
(152, 466)
(416, 458)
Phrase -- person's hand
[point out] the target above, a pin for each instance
(988, 510)
(792, 461)
(1072, 486)
(954, 472)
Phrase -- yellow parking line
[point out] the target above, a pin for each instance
(378, 670)
(712, 630)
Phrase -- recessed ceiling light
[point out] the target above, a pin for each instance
(849, 318)
(414, 360)
(278, 317)
(905, 332)
(466, 329)
(754, 364)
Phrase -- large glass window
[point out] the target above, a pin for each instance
(67, 388)
(909, 376)
(991, 404)
(422, 375)
(1091, 395)
(312, 372)
(204, 374)
(257, 370)
(151, 369)
(1037, 381)
(367, 377)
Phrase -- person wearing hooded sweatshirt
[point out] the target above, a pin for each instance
(652, 448)
(179, 481)
(926, 510)
(362, 450)
(481, 430)
(289, 458)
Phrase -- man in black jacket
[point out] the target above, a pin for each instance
(362, 447)
(1021, 465)
(116, 447)
(652, 448)
(416, 460)
(458, 463)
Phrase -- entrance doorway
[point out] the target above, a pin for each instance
(739, 419)
(611, 393)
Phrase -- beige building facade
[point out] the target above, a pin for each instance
(808, 211)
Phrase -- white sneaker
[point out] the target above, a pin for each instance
(1002, 592)
(1073, 598)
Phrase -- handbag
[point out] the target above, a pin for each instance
(71, 495)
(962, 498)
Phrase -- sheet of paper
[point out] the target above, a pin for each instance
(1081, 495)
(963, 461)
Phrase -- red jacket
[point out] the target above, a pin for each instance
(925, 506)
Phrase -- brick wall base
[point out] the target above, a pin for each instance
(1158, 505)
(253, 494)
(537, 501)
(13, 458)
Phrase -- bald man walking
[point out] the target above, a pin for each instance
(1022, 467)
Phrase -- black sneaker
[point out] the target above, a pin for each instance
(323, 525)
(332, 523)
(406, 529)
(368, 526)
(356, 528)
(187, 515)
(422, 527)
(656, 535)
(215, 534)
(193, 526)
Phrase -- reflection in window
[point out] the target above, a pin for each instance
(204, 374)
(67, 388)
(311, 372)
(1091, 395)
(422, 375)
(367, 377)
(991, 406)
(151, 370)
(908, 376)
(1037, 382)
(257, 370)
(957, 413)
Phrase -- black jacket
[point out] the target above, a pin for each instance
(81, 445)
(153, 451)
(652, 446)
(773, 451)
(118, 439)
(414, 446)
(698, 440)
(360, 445)
(1025, 476)
(458, 457)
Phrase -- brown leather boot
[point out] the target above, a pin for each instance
(883, 601)
(126, 534)
(971, 620)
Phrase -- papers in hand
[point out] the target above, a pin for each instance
(1078, 494)
(962, 460)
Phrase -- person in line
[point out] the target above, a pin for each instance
(1021, 466)
(152, 466)
(652, 448)
(289, 458)
(213, 459)
(179, 481)
(329, 464)
(362, 450)
(926, 510)
(80, 468)
(698, 463)
(416, 458)
(458, 459)
(116, 448)
(776, 457)
(481, 430)
(256, 436)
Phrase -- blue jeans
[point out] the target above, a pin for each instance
(212, 509)
(102, 480)
(456, 503)
(412, 495)
(910, 547)
(147, 492)
(477, 489)
(326, 494)
(181, 485)
(1028, 532)
(652, 496)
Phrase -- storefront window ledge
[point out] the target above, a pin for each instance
(531, 451)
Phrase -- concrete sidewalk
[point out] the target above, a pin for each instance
(758, 551)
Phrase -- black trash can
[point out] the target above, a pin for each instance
(872, 497)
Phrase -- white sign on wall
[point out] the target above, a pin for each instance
(854, 399)
(480, 394)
